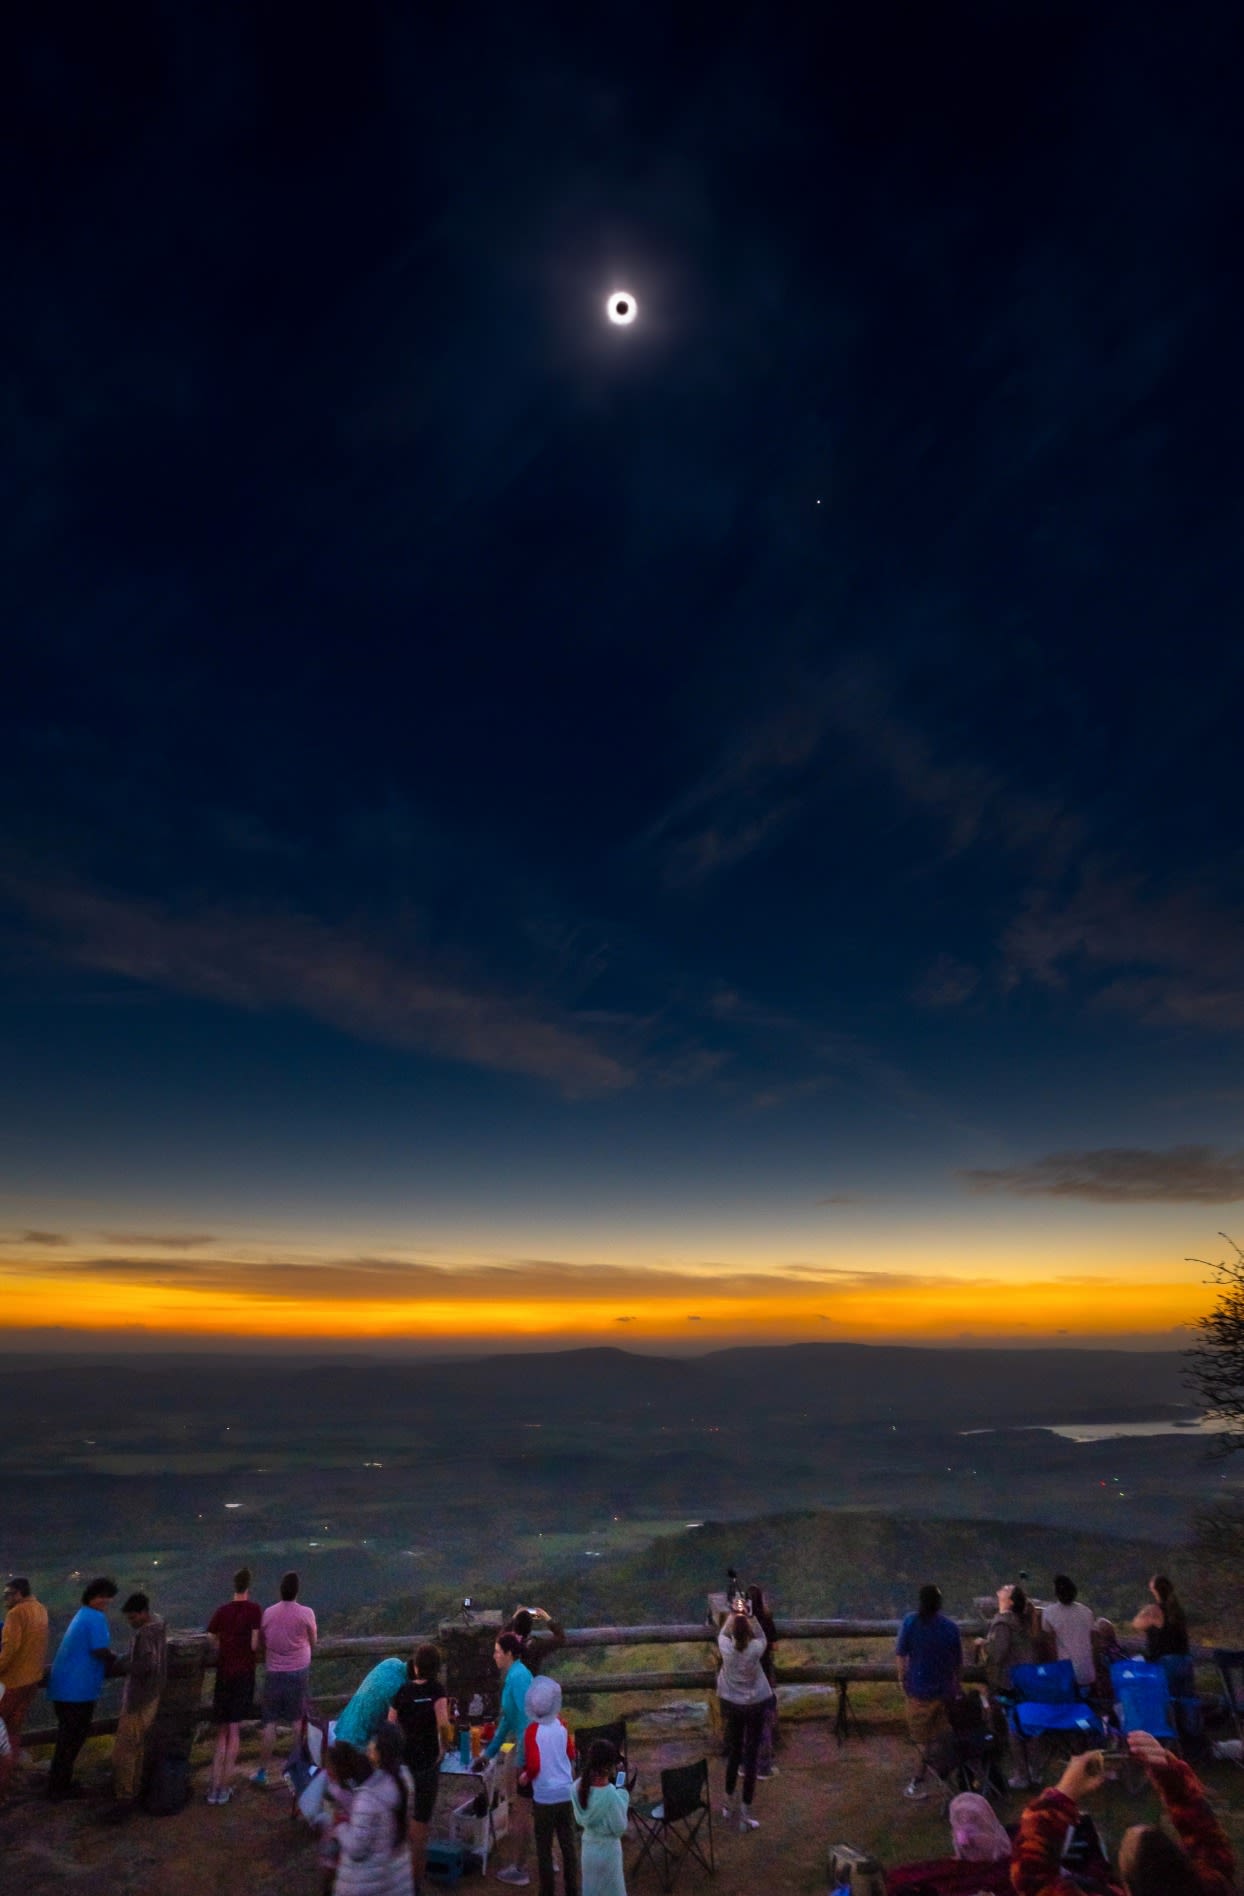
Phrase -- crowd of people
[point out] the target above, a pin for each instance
(373, 1803)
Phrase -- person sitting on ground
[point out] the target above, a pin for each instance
(1165, 1627)
(1151, 1863)
(83, 1660)
(421, 1711)
(374, 1842)
(765, 1767)
(600, 1808)
(1071, 1624)
(145, 1667)
(512, 1725)
(287, 1633)
(235, 1628)
(23, 1660)
(548, 1768)
(537, 1646)
(930, 1658)
(745, 1694)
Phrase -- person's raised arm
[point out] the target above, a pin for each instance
(1204, 1840)
(1037, 1856)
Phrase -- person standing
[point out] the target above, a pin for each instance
(540, 1633)
(547, 1767)
(78, 1672)
(235, 1628)
(287, 1635)
(145, 1667)
(600, 1809)
(745, 1695)
(512, 1725)
(1071, 1623)
(1165, 1627)
(374, 1845)
(23, 1661)
(930, 1658)
(765, 1767)
(421, 1710)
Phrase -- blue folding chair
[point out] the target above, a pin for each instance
(1143, 1699)
(1045, 1702)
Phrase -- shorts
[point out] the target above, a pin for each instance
(927, 1720)
(233, 1699)
(285, 1696)
(427, 1784)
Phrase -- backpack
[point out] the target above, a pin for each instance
(853, 1873)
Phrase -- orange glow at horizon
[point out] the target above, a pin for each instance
(742, 1309)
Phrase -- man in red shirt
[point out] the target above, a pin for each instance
(235, 1628)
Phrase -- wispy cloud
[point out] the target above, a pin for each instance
(1171, 957)
(396, 995)
(174, 1241)
(1123, 1175)
(948, 983)
(48, 1238)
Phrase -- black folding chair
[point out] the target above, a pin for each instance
(671, 1828)
(1230, 1664)
(615, 1734)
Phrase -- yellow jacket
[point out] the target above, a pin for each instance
(24, 1646)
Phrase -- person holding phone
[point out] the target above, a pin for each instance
(1151, 1863)
(745, 1695)
(601, 1806)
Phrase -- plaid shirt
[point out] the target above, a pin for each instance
(1036, 1866)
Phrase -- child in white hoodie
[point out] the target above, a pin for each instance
(548, 1768)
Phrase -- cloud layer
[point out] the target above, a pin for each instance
(1123, 1175)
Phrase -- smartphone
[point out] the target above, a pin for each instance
(620, 1780)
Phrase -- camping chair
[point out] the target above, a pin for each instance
(1143, 1702)
(672, 1826)
(1230, 1664)
(615, 1734)
(1044, 1702)
(963, 1757)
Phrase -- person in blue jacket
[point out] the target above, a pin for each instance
(512, 1724)
(77, 1679)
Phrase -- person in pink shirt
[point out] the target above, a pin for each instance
(287, 1634)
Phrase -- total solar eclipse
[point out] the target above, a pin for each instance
(622, 307)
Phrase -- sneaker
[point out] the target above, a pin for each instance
(259, 1777)
(213, 1797)
(915, 1789)
(223, 1797)
(747, 1823)
(1018, 1781)
(516, 1878)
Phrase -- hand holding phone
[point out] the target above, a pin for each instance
(620, 1780)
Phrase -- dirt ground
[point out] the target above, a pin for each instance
(822, 1795)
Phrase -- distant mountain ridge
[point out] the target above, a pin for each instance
(830, 1384)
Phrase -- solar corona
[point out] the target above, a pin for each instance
(622, 308)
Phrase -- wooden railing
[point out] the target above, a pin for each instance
(197, 1651)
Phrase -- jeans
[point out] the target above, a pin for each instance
(550, 1820)
(73, 1728)
(744, 1724)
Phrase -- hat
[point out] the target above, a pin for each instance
(977, 1833)
(544, 1698)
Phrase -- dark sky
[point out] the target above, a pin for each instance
(474, 775)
